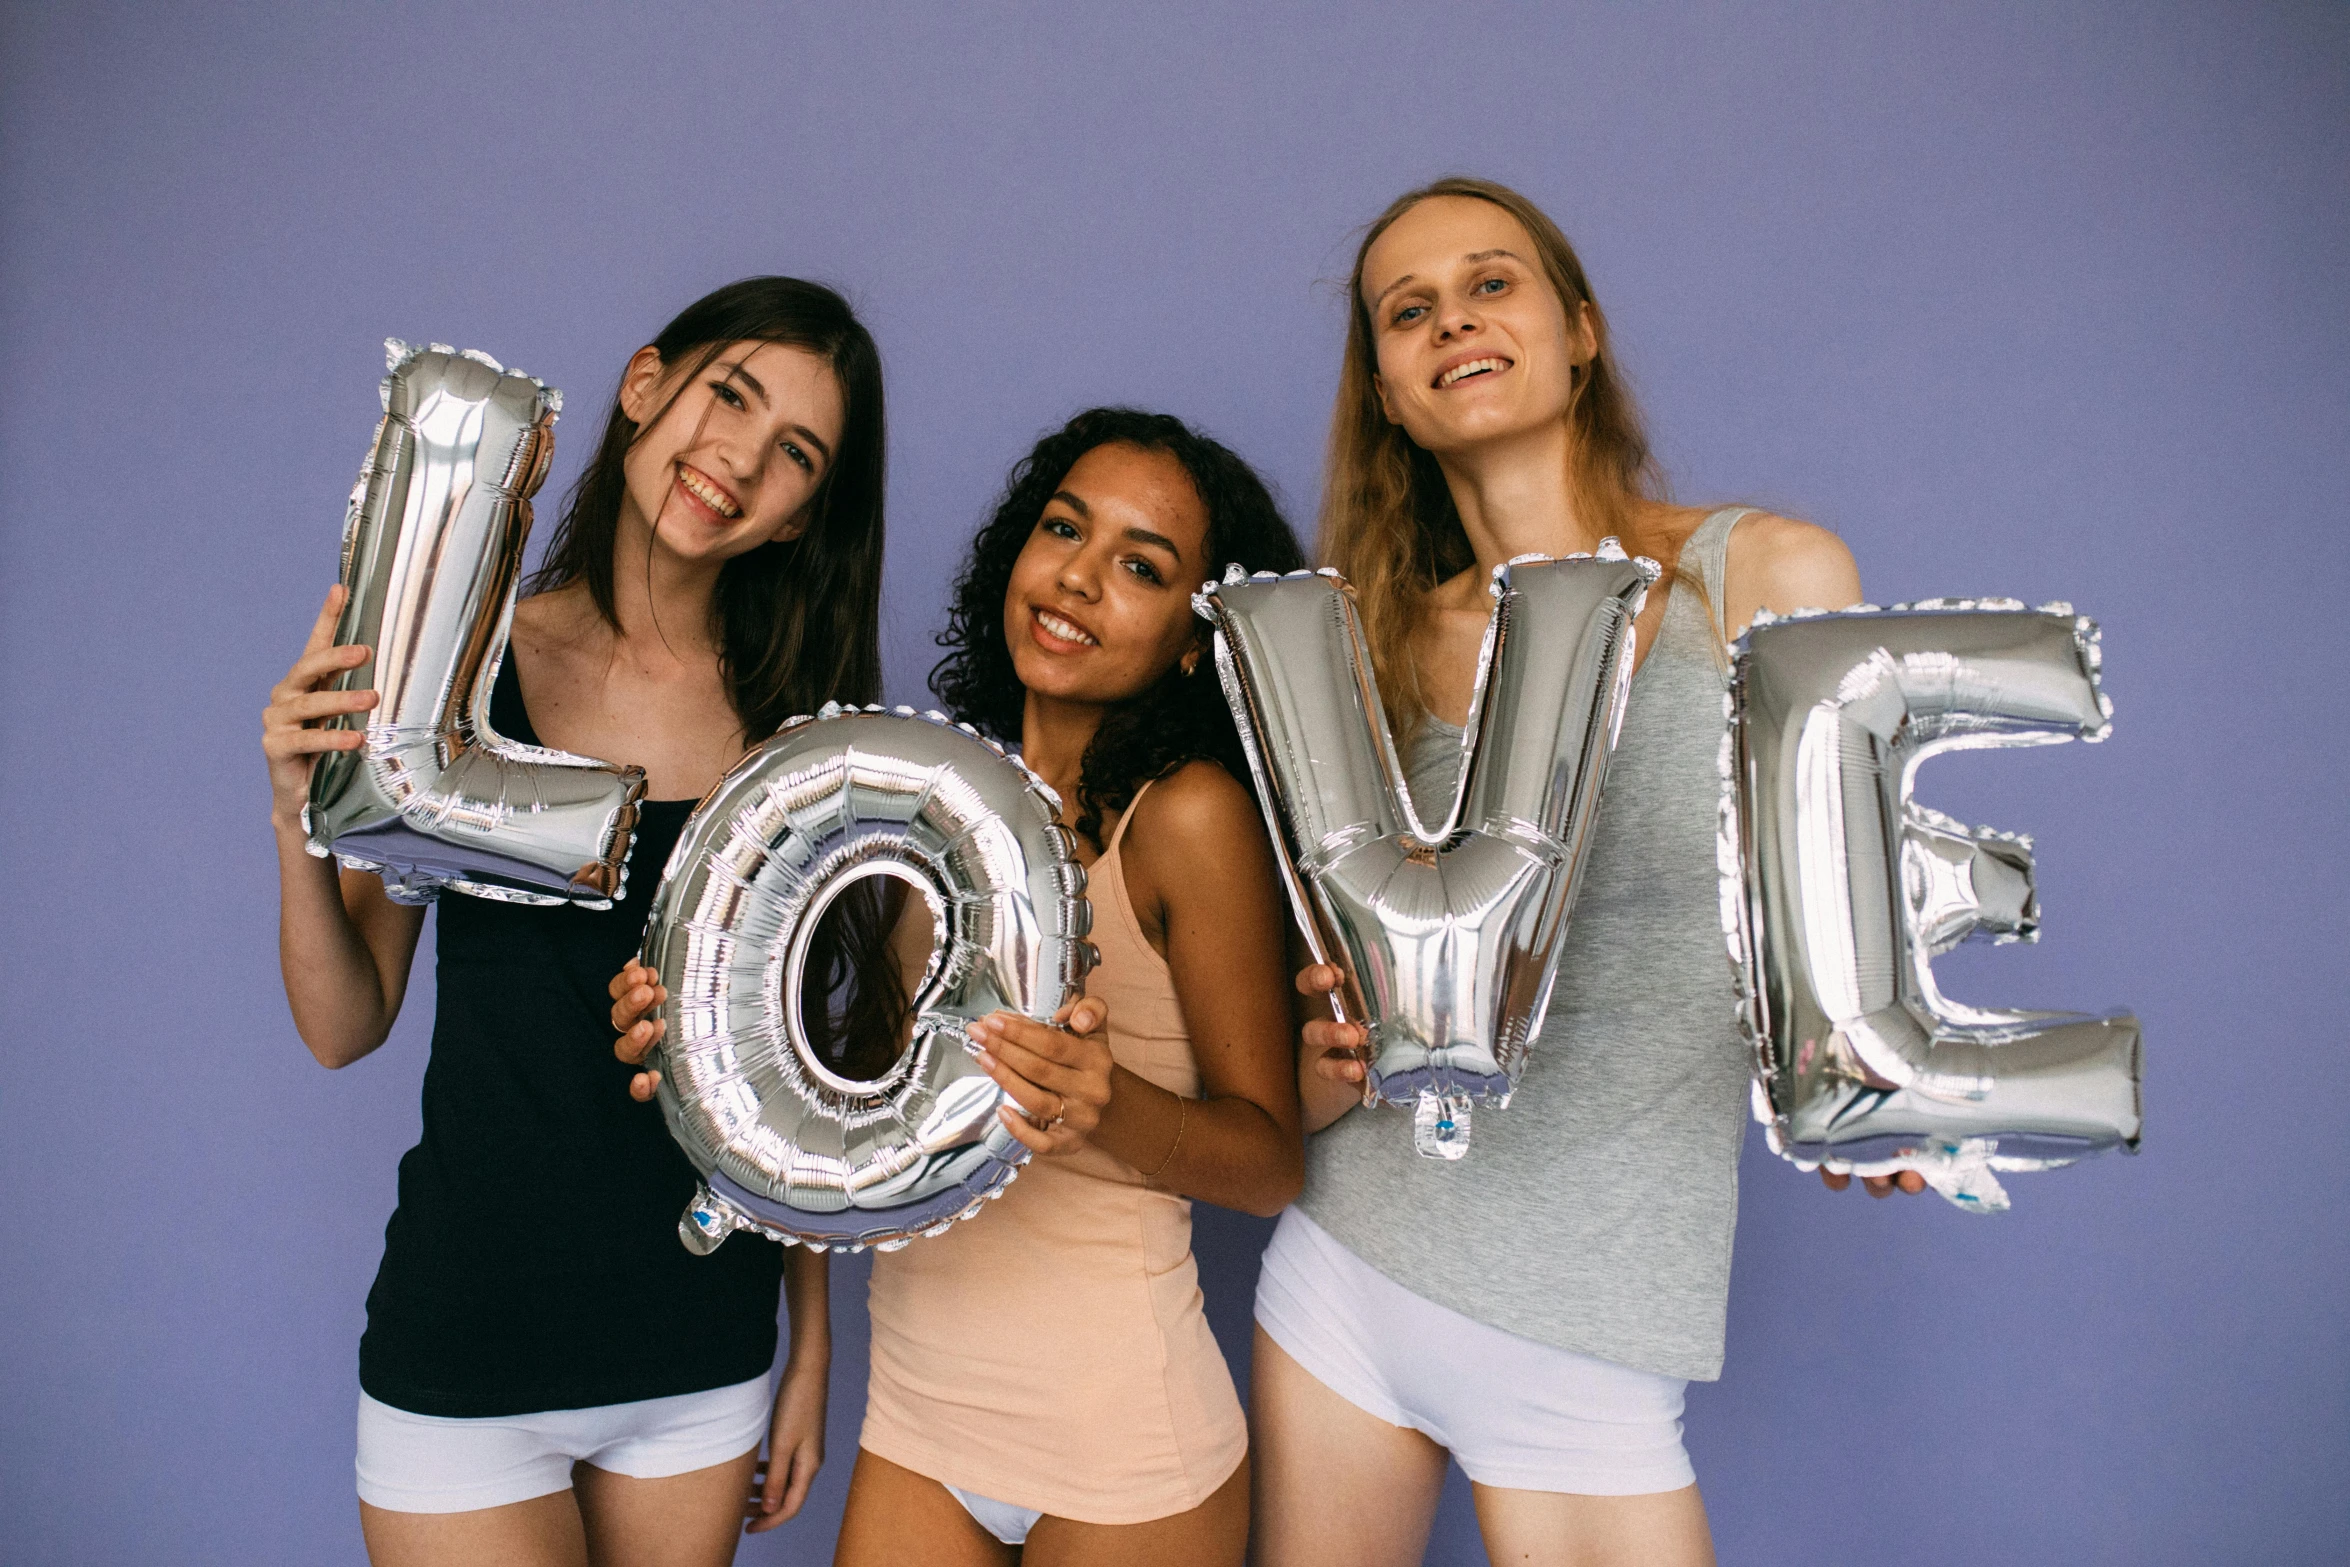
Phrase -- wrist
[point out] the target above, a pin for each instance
(286, 822)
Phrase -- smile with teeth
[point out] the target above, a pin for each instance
(1063, 630)
(708, 494)
(1462, 372)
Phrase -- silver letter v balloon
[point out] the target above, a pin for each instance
(432, 554)
(1447, 936)
(1838, 889)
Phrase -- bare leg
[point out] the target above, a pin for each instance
(1213, 1534)
(1336, 1487)
(542, 1532)
(896, 1517)
(688, 1520)
(1553, 1529)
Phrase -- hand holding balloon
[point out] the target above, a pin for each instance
(1057, 1074)
(1332, 1054)
(291, 736)
(1907, 1182)
(636, 990)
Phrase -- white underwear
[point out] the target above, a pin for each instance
(1516, 1414)
(412, 1463)
(1007, 1523)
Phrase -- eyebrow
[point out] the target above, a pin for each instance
(1138, 535)
(1145, 536)
(738, 371)
(1471, 259)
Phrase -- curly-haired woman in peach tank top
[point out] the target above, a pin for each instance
(1044, 1387)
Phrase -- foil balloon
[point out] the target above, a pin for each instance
(786, 1146)
(1447, 935)
(1838, 888)
(432, 556)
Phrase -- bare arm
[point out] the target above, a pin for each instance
(343, 947)
(795, 1431)
(1197, 859)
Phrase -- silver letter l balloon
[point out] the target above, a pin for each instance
(432, 555)
(1447, 936)
(1838, 889)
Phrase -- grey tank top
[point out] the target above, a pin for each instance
(1596, 1211)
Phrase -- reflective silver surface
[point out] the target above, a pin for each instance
(1838, 888)
(786, 1147)
(432, 556)
(1447, 933)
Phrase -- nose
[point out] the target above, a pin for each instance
(742, 455)
(1455, 319)
(1078, 577)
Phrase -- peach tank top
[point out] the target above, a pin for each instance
(1051, 1352)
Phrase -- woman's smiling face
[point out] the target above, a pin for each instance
(1473, 342)
(1099, 605)
(734, 456)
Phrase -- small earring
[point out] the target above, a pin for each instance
(1191, 663)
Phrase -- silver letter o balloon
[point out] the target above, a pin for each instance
(785, 1146)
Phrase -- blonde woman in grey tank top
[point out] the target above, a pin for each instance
(1535, 1309)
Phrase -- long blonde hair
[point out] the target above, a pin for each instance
(1388, 521)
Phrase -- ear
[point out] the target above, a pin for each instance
(640, 384)
(1379, 385)
(1585, 334)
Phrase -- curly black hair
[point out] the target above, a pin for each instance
(1180, 719)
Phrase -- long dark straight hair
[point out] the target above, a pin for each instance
(797, 622)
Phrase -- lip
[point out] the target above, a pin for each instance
(1050, 641)
(1503, 361)
(702, 507)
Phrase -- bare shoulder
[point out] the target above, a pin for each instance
(1199, 808)
(557, 628)
(559, 618)
(1197, 844)
(1781, 564)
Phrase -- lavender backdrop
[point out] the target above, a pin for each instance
(2045, 300)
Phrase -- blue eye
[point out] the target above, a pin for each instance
(1492, 285)
(1410, 313)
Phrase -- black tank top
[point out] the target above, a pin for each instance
(533, 1260)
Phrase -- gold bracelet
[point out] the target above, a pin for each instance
(1182, 1113)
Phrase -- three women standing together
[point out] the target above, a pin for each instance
(1043, 1385)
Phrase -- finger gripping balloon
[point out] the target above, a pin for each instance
(786, 1146)
(432, 556)
(1447, 937)
(1838, 888)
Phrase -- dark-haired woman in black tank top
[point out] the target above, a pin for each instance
(717, 570)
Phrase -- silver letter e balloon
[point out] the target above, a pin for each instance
(1447, 936)
(1838, 888)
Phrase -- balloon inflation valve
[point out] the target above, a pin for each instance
(706, 1223)
(1440, 1125)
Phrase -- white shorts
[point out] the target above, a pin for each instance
(429, 1464)
(1515, 1414)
